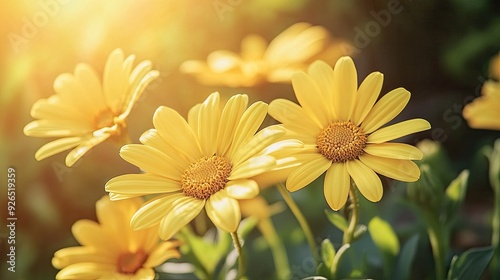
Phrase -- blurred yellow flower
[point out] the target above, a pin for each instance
(111, 249)
(290, 51)
(484, 111)
(495, 67)
(340, 126)
(206, 162)
(85, 112)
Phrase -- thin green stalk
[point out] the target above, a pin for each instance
(300, 218)
(495, 237)
(354, 217)
(277, 248)
(241, 259)
(438, 237)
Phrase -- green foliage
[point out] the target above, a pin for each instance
(471, 264)
(196, 249)
(336, 219)
(454, 197)
(403, 269)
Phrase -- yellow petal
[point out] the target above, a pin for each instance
(386, 109)
(176, 132)
(399, 169)
(142, 184)
(143, 274)
(253, 47)
(322, 74)
(73, 255)
(56, 147)
(248, 125)
(208, 124)
(311, 98)
(336, 186)
(163, 252)
(229, 120)
(345, 85)
(114, 218)
(193, 117)
(153, 139)
(293, 116)
(151, 160)
(91, 86)
(252, 167)
(312, 167)
(258, 142)
(222, 61)
(297, 43)
(137, 87)
(86, 270)
(56, 128)
(242, 189)
(398, 130)
(90, 233)
(367, 182)
(118, 196)
(154, 210)
(84, 147)
(224, 211)
(53, 109)
(71, 92)
(394, 150)
(183, 211)
(113, 80)
(483, 113)
(368, 93)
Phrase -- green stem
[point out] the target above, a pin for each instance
(438, 237)
(241, 260)
(300, 218)
(353, 219)
(495, 236)
(277, 248)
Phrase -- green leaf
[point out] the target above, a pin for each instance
(405, 258)
(205, 251)
(337, 220)
(455, 194)
(383, 236)
(386, 241)
(327, 253)
(471, 264)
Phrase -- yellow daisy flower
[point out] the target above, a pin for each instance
(258, 62)
(84, 112)
(484, 111)
(111, 249)
(340, 126)
(206, 162)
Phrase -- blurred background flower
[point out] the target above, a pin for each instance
(438, 50)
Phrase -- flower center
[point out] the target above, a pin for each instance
(206, 176)
(129, 263)
(341, 141)
(104, 118)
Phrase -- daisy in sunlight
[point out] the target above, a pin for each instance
(341, 128)
(259, 62)
(110, 249)
(484, 111)
(206, 162)
(83, 112)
